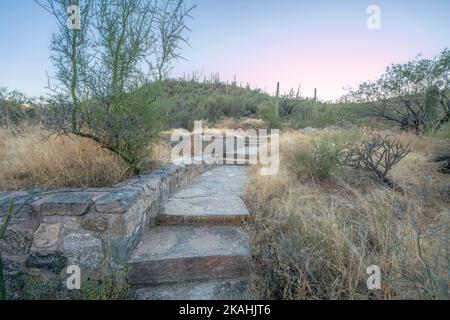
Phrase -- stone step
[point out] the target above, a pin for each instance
(204, 210)
(171, 254)
(211, 198)
(234, 289)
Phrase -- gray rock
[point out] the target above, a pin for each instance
(15, 276)
(12, 266)
(236, 289)
(117, 202)
(46, 236)
(83, 250)
(50, 261)
(16, 242)
(122, 247)
(206, 206)
(8, 195)
(68, 203)
(211, 198)
(184, 253)
(149, 184)
(163, 174)
(19, 198)
(95, 223)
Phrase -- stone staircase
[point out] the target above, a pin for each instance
(199, 248)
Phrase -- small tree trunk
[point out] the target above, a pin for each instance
(74, 82)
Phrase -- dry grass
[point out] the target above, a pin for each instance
(161, 153)
(32, 158)
(315, 240)
(29, 158)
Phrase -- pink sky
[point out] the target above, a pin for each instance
(321, 44)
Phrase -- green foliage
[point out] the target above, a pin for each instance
(269, 113)
(13, 108)
(443, 132)
(105, 286)
(129, 128)
(94, 286)
(298, 112)
(187, 101)
(98, 92)
(319, 160)
(432, 104)
(317, 115)
(413, 95)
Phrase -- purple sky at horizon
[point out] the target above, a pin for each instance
(316, 44)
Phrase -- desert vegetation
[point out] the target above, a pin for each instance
(33, 158)
(317, 225)
(350, 197)
(363, 180)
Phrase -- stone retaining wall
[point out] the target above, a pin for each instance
(85, 227)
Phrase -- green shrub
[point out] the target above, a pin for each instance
(187, 101)
(443, 132)
(307, 113)
(128, 125)
(319, 160)
(269, 113)
(13, 108)
(106, 286)
(99, 285)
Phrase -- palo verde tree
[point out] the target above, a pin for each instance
(414, 95)
(70, 56)
(123, 46)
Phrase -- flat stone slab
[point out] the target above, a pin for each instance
(175, 242)
(68, 203)
(117, 202)
(236, 289)
(206, 206)
(225, 175)
(18, 198)
(188, 253)
(213, 197)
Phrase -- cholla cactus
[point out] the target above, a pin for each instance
(378, 156)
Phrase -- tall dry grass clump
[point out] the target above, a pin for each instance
(314, 239)
(30, 158)
(317, 159)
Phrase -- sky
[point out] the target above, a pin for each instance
(323, 44)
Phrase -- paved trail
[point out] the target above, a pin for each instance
(200, 247)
